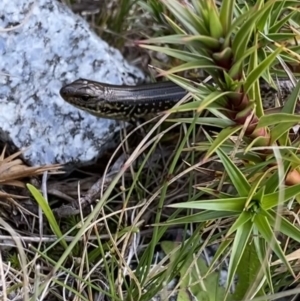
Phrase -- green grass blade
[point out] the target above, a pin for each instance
(190, 22)
(272, 199)
(276, 118)
(199, 64)
(261, 250)
(48, 213)
(220, 252)
(243, 218)
(211, 98)
(221, 138)
(170, 39)
(235, 174)
(243, 35)
(292, 101)
(232, 204)
(277, 26)
(185, 56)
(264, 228)
(210, 121)
(285, 226)
(264, 65)
(239, 244)
(204, 216)
(248, 276)
(279, 131)
(226, 14)
(176, 27)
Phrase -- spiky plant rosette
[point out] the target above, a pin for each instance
(238, 46)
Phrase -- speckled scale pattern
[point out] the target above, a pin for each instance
(282, 92)
(50, 48)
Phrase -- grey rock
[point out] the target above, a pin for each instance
(43, 46)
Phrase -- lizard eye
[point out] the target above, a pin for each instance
(85, 98)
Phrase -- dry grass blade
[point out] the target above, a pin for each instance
(9, 195)
(13, 169)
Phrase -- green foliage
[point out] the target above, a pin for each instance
(233, 38)
(235, 45)
(43, 204)
(194, 275)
